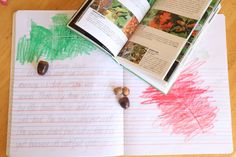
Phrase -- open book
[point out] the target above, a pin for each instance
(72, 110)
(148, 37)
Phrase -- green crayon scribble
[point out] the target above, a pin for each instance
(54, 43)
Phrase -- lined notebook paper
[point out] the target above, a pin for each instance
(72, 111)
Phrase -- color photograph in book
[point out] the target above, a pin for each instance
(140, 55)
(183, 52)
(118, 14)
(169, 22)
(133, 52)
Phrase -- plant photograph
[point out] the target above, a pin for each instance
(133, 52)
(169, 22)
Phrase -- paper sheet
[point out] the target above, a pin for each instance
(71, 111)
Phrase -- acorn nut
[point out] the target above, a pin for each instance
(124, 102)
(42, 67)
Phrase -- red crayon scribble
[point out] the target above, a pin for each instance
(187, 108)
(3, 2)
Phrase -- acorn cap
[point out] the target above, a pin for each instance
(118, 91)
(125, 91)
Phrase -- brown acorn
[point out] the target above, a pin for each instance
(124, 102)
(42, 67)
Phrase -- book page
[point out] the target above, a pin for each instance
(189, 8)
(195, 116)
(211, 11)
(162, 34)
(71, 110)
(112, 22)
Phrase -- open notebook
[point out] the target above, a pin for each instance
(72, 111)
